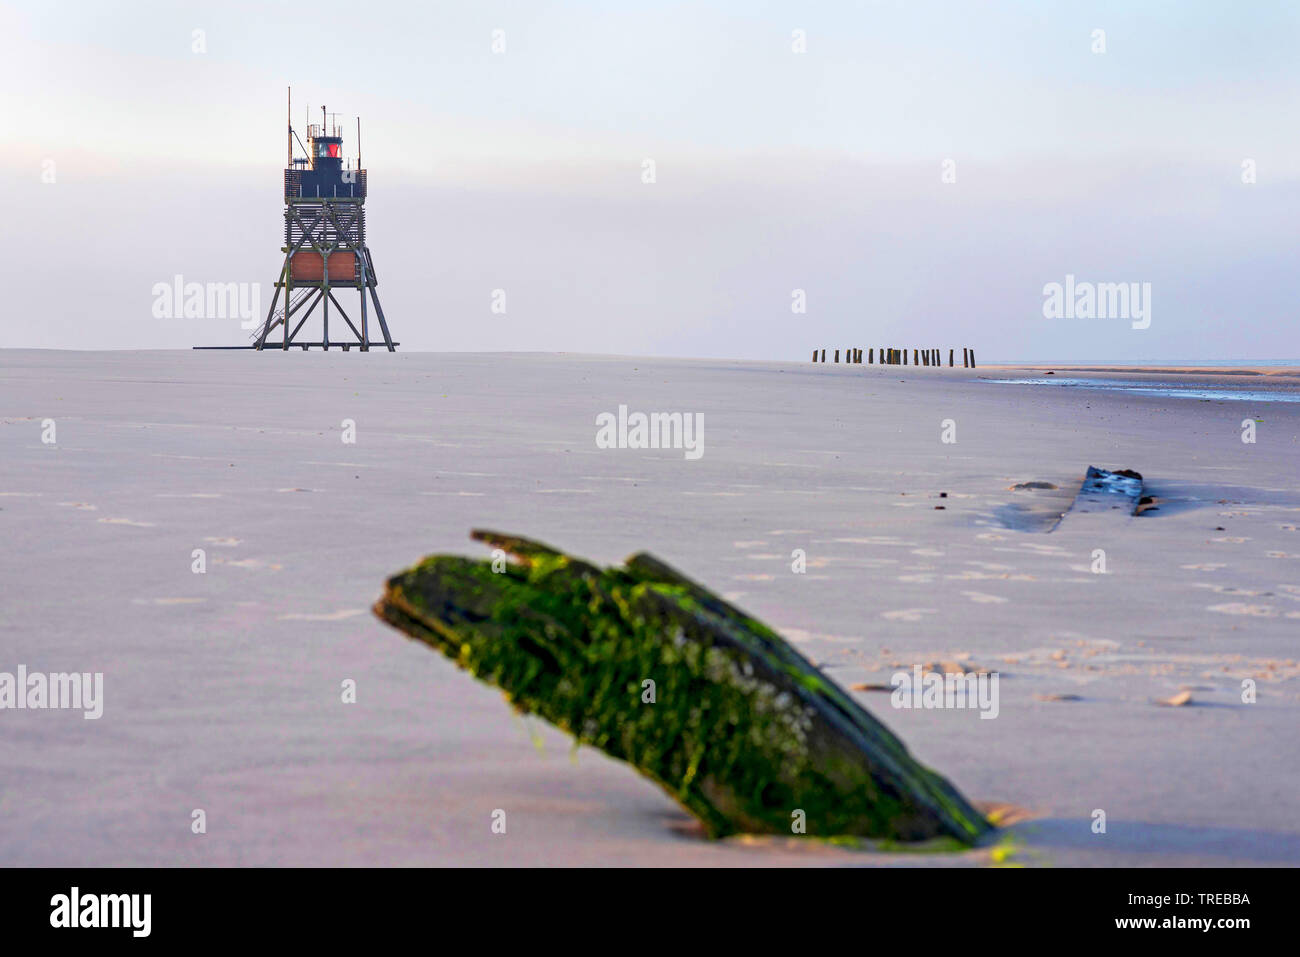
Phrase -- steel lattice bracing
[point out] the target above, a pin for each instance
(325, 250)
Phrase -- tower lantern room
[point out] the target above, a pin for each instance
(324, 242)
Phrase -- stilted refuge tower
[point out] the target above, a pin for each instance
(324, 243)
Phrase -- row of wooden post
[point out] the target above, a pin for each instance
(898, 357)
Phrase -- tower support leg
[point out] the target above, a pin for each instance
(379, 311)
(365, 323)
(266, 326)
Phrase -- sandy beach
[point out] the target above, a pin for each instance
(222, 689)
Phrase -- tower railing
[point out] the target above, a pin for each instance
(297, 185)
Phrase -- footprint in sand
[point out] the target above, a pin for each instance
(81, 506)
(326, 616)
(982, 599)
(1230, 590)
(125, 521)
(254, 563)
(1242, 608)
(223, 541)
(968, 576)
(801, 636)
(167, 601)
(908, 614)
(1043, 549)
(1204, 567)
(873, 540)
(748, 544)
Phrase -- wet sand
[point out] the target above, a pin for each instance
(222, 690)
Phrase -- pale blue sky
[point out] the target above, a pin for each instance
(776, 171)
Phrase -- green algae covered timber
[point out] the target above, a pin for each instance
(737, 726)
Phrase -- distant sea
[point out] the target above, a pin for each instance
(1173, 389)
(1165, 363)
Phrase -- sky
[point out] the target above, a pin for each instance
(914, 173)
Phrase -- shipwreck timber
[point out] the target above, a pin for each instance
(657, 671)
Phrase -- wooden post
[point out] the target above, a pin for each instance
(814, 355)
(859, 777)
(837, 355)
(823, 355)
(972, 358)
(949, 358)
(871, 356)
(965, 358)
